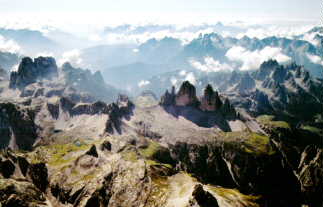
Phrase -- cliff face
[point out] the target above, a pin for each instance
(186, 95)
(210, 100)
(184, 152)
(266, 170)
(29, 71)
(17, 127)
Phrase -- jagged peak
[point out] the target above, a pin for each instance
(186, 95)
(186, 87)
(269, 64)
(29, 71)
(246, 83)
(210, 100)
(208, 91)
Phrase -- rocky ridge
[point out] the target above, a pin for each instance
(184, 151)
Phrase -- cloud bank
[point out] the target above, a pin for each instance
(252, 59)
(315, 59)
(9, 45)
(210, 65)
(191, 78)
(143, 83)
(73, 57)
(278, 31)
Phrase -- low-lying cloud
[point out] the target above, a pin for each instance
(73, 57)
(210, 65)
(143, 83)
(315, 59)
(7, 45)
(252, 59)
(173, 80)
(191, 78)
(278, 31)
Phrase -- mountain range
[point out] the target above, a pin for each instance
(250, 138)
(170, 54)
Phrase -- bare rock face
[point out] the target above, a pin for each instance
(30, 71)
(228, 109)
(85, 81)
(39, 175)
(28, 191)
(92, 151)
(204, 198)
(17, 128)
(311, 175)
(279, 74)
(168, 99)
(15, 193)
(186, 95)
(7, 168)
(265, 69)
(210, 100)
(246, 84)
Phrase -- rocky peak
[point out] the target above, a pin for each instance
(98, 77)
(29, 71)
(186, 95)
(17, 128)
(168, 98)
(88, 82)
(235, 77)
(279, 74)
(210, 101)
(280, 91)
(247, 83)
(265, 69)
(299, 72)
(228, 109)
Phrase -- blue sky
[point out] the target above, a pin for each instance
(296, 9)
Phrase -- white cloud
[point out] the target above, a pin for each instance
(143, 83)
(278, 31)
(210, 65)
(191, 78)
(315, 59)
(73, 57)
(135, 50)
(45, 54)
(10, 46)
(14, 68)
(253, 59)
(310, 37)
(182, 73)
(173, 80)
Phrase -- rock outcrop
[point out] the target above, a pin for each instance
(30, 71)
(210, 101)
(265, 69)
(246, 84)
(168, 99)
(85, 81)
(204, 198)
(186, 96)
(17, 127)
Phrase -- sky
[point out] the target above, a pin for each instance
(166, 11)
